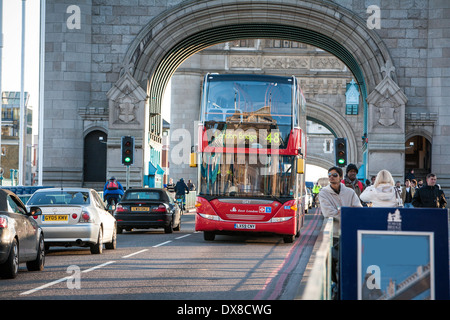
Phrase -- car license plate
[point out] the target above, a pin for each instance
(140, 209)
(56, 218)
(244, 226)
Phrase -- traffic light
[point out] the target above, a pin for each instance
(340, 149)
(127, 150)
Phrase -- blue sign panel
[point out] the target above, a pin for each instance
(394, 254)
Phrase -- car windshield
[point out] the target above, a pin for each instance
(142, 195)
(59, 198)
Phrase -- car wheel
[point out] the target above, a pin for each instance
(38, 263)
(178, 227)
(10, 268)
(169, 228)
(112, 245)
(97, 248)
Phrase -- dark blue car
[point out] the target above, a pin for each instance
(21, 238)
(144, 208)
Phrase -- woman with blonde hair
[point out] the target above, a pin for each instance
(383, 192)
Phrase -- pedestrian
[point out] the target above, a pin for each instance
(383, 193)
(315, 192)
(413, 183)
(407, 194)
(398, 186)
(190, 185)
(419, 183)
(112, 191)
(171, 187)
(410, 175)
(351, 181)
(430, 195)
(336, 195)
(181, 189)
(332, 198)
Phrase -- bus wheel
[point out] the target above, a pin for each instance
(208, 235)
(289, 238)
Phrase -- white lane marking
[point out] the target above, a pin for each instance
(45, 285)
(161, 244)
(135, 253)
(64, 279)
(96, 267)
(186, 235)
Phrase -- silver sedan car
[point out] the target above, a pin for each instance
(74, 217)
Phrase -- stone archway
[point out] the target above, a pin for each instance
(180, 32)
(191, 26)
(338, 125)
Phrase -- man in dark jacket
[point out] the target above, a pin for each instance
(180, 190)
(429, 196)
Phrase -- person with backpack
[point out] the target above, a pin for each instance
(112, 191)
(351, 181)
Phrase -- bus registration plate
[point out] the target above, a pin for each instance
(244, 226)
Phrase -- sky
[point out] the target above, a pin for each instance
(11, 53)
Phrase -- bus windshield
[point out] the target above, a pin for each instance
(235, 175)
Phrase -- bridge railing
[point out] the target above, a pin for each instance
(190, 199)
(318, 284)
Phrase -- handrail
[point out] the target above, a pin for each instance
(191, 197)
(318, 286)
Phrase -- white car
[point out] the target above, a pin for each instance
(74, 217)
(308, 199)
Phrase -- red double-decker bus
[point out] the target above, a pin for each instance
(250, 156)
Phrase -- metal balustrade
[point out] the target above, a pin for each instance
(318, 285)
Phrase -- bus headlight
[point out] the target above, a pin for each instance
(210, 216)
(280, 219)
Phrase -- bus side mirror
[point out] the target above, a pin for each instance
(300, 165)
